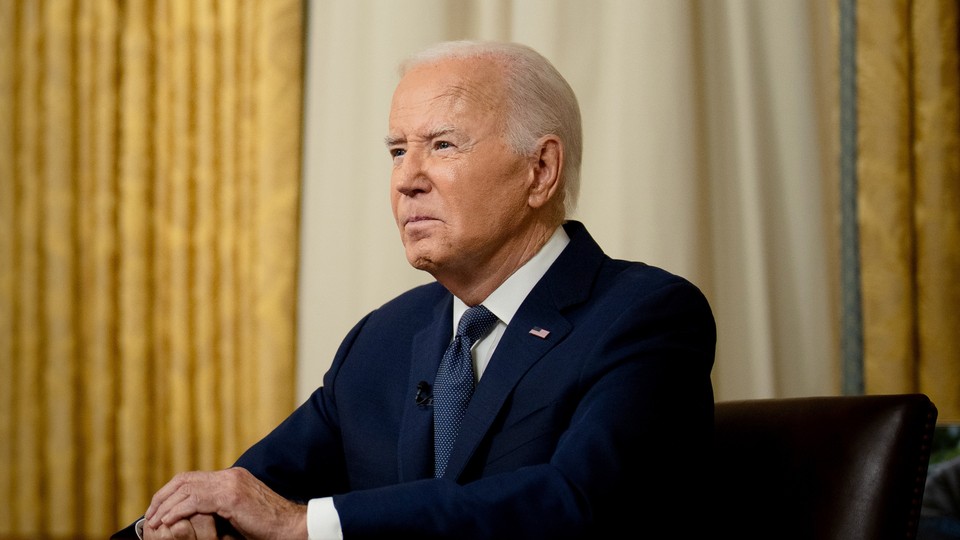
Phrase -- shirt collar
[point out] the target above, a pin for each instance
(506, 299)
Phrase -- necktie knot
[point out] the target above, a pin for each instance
(475, 322)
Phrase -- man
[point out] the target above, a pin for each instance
(588, 403)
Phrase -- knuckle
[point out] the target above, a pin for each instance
(181, 529)
(180, 478)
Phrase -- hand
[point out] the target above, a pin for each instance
(198, 527)
(233, 494)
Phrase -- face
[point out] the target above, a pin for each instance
(459, 193)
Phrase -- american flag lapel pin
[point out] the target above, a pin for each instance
(540, 332)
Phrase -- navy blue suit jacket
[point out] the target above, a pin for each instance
(600, 425)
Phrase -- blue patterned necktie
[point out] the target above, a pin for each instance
(454, 383)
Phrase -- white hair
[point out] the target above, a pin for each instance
(539, 101)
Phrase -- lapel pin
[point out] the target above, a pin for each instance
(540, 332)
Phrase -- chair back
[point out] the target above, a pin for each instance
(822, 468)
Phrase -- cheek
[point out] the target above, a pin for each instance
(502, 198)
(478, 196)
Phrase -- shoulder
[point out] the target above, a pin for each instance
(641, 276)
(643, 284)
(585, 276)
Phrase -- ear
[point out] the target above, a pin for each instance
(545, 175)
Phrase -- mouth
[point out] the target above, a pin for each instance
(418, 220)
(418, 227)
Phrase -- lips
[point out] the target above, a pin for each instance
(419, 227)
(416, 220)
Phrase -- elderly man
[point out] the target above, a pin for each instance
(537, 389)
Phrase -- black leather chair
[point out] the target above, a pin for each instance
(822, 468)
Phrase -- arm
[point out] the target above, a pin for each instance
(264, 493)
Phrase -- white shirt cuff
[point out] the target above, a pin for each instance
(323, 521)
(139, 528)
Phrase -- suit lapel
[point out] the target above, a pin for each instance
(517, 351)
(566, 283)
(416, 428)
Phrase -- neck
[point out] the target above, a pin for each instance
(476, 284)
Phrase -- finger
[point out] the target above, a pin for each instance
(163, 493)
(160, 515)
(183, 530)
(157, 533)
(204, 526)
(184, 489)
(190, 500)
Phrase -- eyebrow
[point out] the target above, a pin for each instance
(429, 135)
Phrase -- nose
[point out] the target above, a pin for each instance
(410, 174)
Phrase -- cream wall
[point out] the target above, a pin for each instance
(707, 152)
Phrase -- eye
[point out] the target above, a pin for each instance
(397, 152)
(442, 145)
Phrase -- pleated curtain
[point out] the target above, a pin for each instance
(908, 197)
(149, 194)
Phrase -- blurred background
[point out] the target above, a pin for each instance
(194, 207)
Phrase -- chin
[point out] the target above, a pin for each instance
(420, 253)
(423, 263)
(420, 261)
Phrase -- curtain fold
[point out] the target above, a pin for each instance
(7, 251)
(149, 186)
(937, 215)
(908, 170)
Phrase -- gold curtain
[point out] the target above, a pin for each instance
(908, 171)
(149, 186)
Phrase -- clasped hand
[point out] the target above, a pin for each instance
(185, 508)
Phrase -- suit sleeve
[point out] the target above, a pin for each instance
(284, 467)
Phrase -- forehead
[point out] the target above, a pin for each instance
(470, 88)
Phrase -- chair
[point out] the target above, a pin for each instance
(822, 468)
